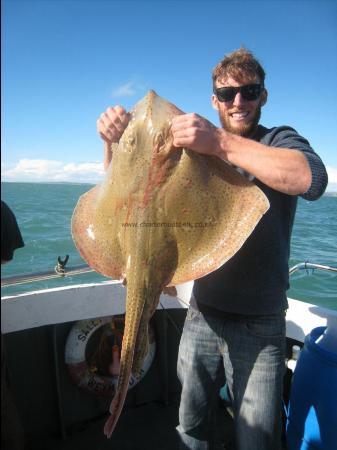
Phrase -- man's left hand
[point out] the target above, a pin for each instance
(196, 133)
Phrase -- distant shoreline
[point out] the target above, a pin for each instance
(326, 194)
(50, 182)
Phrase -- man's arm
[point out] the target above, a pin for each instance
(283, 169)
(110, 126)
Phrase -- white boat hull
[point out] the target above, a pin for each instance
(85, 301)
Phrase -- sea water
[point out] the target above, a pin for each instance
(44, 211)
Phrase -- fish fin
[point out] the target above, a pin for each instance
(217, 212)
(94, 236)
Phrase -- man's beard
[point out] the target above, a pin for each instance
(244, 130)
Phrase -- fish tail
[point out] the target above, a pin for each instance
(131, 329)
(115, 411)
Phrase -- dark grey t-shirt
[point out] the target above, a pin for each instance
(11, 238)
(255, 279)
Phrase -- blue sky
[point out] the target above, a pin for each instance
(64, 62)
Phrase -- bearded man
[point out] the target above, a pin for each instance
(236, 318)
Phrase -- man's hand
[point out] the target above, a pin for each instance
(110, 126)
(112, 123)
(196, 133)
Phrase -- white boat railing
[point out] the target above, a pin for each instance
(61, 271)
(312, 266)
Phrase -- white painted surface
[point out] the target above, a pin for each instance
(86, 301)
(67, 304)
(303, 317)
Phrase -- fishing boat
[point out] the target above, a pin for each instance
(59, 349)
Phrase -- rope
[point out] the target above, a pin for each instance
(175, 326)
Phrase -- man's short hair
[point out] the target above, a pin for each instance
(240, 65)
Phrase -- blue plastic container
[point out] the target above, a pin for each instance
(312, 410)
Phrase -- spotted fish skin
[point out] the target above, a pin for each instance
(148, 273)
(161, 216)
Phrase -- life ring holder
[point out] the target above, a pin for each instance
(76, 357)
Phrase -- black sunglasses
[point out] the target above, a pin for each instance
(249, 92)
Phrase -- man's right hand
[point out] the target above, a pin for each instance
(110, 126)
(112, 123)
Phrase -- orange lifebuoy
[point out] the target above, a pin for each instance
(83, 351)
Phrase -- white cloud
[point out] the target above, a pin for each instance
(332, 174)
(128, 89)
(89, 172)
(51, 170)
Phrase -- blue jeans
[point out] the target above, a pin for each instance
(251, 350)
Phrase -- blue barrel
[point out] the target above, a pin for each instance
(312, 409)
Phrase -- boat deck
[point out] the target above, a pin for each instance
(57, 415)
(147, 427)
